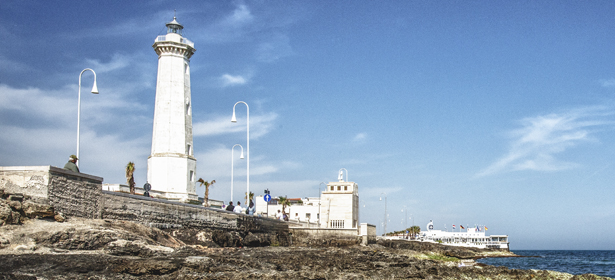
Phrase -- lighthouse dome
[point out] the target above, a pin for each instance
(174, 27)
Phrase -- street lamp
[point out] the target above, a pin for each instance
(405, 219)
(232, 158)
(385, 212)
(319, 199)
(346, 174)
(95, 91)
(234, 119)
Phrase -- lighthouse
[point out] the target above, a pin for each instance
(171, 167)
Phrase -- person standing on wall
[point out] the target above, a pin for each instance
(238, 208)
(72, 164)
(230, 206)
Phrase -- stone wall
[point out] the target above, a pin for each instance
(69, 193)
(195, 224)
(170, 214)
(367, 233)
(43, 191)
(324, 236)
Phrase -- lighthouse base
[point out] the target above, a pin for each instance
(172, 176)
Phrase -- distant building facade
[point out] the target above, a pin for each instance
(336, 208)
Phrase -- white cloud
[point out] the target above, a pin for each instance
(240, 16)
(215, 164)
(274, 48)
(300, 189)
(33, 103)
(257, 25)
(236, 26)
(13, 65)
(259, 126)
(230, 80)
(359, 137)
(610, 83)
(118, 61)
(39, 128)
(378, 193)
(534, 146)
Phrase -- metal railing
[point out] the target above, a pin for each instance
(162, 38)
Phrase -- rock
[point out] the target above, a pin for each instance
(128, 248)
(33, 210)
(16, 197)
(59, 217)
(125, 250)
(226, 239)
(17, 217)
(147, 267)
(251, 240)
(23, 247)
(4, 241)
(6, 213)
(16, 205)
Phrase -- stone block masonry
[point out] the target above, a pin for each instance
(81, 195)
(69, 193)
(170, 214)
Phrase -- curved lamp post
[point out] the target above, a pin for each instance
(232, 158)
(405, 220)
(385, 213)
(234, 119)
(346, 173)
(95, 91)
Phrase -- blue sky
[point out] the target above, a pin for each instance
(473, 112)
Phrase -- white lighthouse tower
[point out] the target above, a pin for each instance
(171, 168)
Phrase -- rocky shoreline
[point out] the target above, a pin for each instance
(107, 249)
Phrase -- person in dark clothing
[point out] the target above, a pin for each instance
(72, 164)
(230, 207)
(250, 210)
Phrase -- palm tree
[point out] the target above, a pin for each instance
(414, 230)
(130, 179)
(285, 202)
(207, 185)
(251, 197)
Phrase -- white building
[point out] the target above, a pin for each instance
(340, 205)
(466, 237)
(337, 207)
(301, 209)
(171, 167)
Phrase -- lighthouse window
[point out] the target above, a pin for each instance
(191, 176)
(189, 150)
(188, 109)
(331, 187)
(339, 188)
(345, 188)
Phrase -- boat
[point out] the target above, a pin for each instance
(466, 237)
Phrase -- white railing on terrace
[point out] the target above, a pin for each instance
(162, 38)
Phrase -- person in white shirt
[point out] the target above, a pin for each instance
(238, 208)
(278, 215)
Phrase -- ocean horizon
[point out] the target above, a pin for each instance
(599, 262)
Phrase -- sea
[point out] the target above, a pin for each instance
(575, 262)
